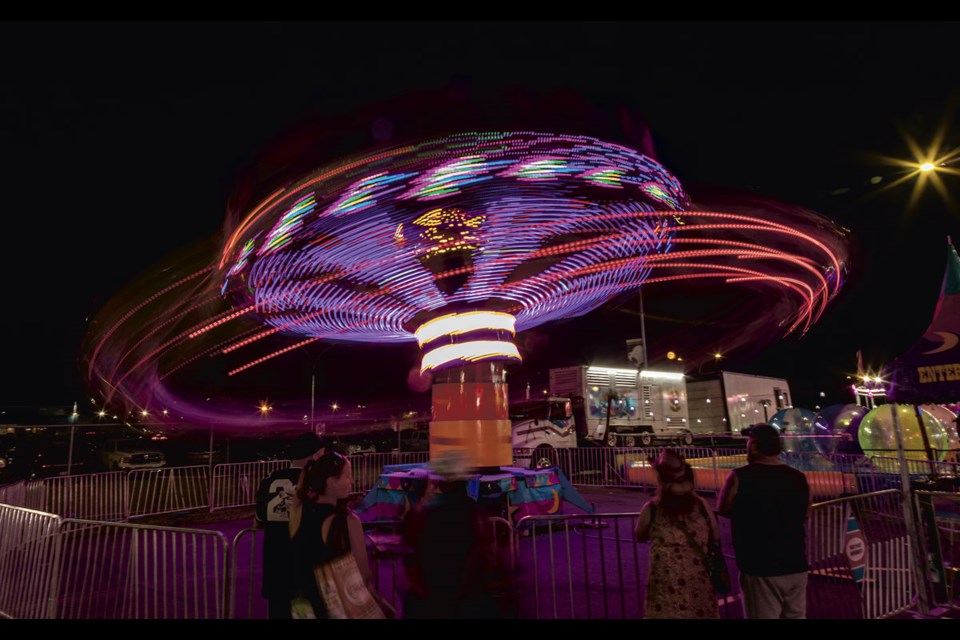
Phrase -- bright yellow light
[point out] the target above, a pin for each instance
(144, 413)
(334, 406)
(718, 355)
(101, 413)
(878, 379)
(926, 166)
(264, 407)
(671, 355)
(459, 323)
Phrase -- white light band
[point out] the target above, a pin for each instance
(458, 323)
(470, 352)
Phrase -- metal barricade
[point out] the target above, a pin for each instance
(886, 585)
(826, 474)
(95, 496)
(29, 494)
(167, 490)
(570, 567)
(940, 537)
(386, 553)
(122, 570)
(235, 484)
(244, 598)
(366, 468)
(27, 545)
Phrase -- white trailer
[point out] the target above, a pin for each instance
(644, 405)
(540, 427)
(731, 401)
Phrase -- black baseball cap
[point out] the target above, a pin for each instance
(760, 430)
(306, 444)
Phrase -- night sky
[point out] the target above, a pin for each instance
(121, 144)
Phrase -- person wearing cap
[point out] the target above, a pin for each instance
(767, 502)
(451, 570)
(676, 519)
(272, 513)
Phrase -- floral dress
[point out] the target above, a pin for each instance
(678, 585)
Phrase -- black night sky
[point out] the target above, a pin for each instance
(122, 142)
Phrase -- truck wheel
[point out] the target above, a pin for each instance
(611, 439)
(629, 441)
(646, 439)
(543, 457)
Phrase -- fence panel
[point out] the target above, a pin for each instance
(366, 468)
(235, 485)
(244, 600)
(122, 570)
(887, 585)
(95, 496)
(28, 544)
(940, 534)
(168, 489)
(28, 494)
(569, 568)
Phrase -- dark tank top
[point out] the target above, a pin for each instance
(310, 549)
(768, 520)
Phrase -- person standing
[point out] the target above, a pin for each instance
(679, 524)
(767, 502)
(322, 528)
(452, 570)
(274, 499)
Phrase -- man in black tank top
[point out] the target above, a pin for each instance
(767, 502)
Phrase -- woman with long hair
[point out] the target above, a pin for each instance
(322, 528)
(676, 519)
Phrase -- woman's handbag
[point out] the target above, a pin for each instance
(344, 591)
(717, 568)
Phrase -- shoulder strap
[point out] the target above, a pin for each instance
(690, 539)
(338, 536)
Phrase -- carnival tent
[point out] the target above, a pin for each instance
(930, 370)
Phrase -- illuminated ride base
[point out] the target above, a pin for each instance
(470, 411)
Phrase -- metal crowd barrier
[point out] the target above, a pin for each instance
(940, 537)
(27, 547)
(121, 570)
(628, 467)
(243, 593)
(28, 494)
(574, 568)
(886, 585)
(168, 489)
(235, 485)
(366, 468)
(95, 496)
